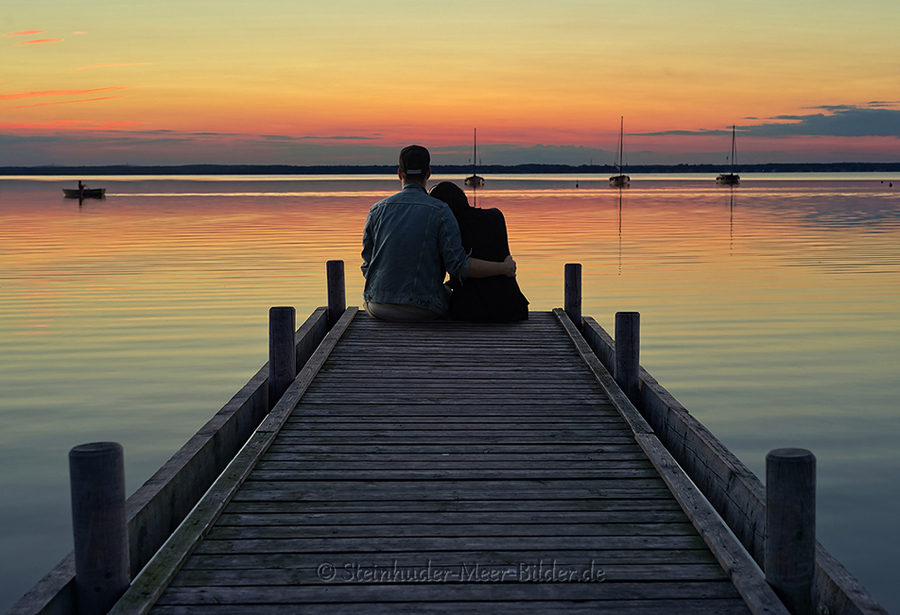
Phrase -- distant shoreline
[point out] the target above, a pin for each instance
(247, 169)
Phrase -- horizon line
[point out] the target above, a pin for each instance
(253, 168)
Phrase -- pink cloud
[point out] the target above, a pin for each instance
(23, 33)
(59, 93)
(68, 125)
(40, 41)
(61, 102)
(65, 93)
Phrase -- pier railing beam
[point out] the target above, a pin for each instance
(790, 562)
(102, 563)
(628, 354)
(282, 353)
(573, 293)
(337, 301)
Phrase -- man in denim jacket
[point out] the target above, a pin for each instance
(410, 241)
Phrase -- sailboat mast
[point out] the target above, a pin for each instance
(620, 180)
(474, 151)
(621, 145)
(733, 149)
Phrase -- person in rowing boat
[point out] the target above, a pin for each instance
(410, 242)
(483, 234)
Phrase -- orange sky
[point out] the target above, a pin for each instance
(308, 83)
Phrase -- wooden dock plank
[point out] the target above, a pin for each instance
(426, 544)
(472, 452)
(440, 519)
(435, 530)
(436, 462)
(498, 417)
(568, 557)
(460, 449)
(457, 592)
(510, 607)
(555, 506)
(307, 575)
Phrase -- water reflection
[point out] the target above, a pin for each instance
(137, 317)
(731, 221)
(621, 196)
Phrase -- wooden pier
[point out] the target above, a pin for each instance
(444, 468)
(451, 473)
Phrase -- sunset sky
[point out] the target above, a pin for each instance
(350, 81)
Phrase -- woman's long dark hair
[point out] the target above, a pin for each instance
(483, 235)
(453, 196)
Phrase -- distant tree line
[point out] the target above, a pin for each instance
(284, 169)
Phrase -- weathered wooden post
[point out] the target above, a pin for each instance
(102, 563)
(628, 353)
(573, 293)
(282, 354)
(790, 561)
(337, 301)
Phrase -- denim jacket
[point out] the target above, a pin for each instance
(410, 241)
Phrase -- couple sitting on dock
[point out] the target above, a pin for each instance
(413, 238)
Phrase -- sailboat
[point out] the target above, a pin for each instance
(474, 179)
(730, 179)
(621, 180)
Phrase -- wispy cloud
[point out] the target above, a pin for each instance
(41, 41)
(114, 65)
(23, 33)
(287, 138)
(61, 93)
(51, 93)
(703, 132)
(875, 104)
(65, 126)
(874, 119)
(62, 102)
(877, 120)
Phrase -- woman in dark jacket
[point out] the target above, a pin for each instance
(483, 232)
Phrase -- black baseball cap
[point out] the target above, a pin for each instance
(414, 160)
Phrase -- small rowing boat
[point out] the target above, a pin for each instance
(84, 193)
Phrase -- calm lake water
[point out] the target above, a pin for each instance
(770, 311)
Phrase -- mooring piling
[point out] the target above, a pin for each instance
(628, 354)
(337, 302)
(572, 300)
(102, 564)
(790, 563)
(282, 353)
